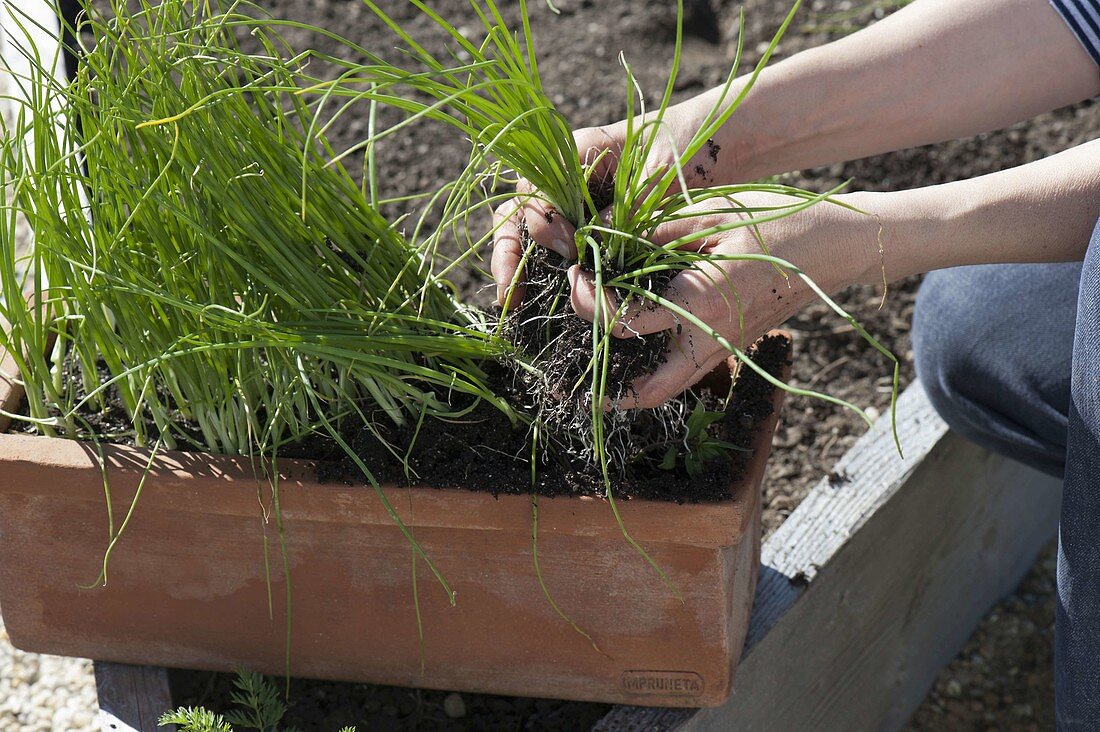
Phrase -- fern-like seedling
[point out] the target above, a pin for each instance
(261, 707)
(195, 719)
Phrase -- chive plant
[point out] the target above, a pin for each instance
(177, 246)
(491, 91)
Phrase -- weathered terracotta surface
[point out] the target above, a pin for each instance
(186, 585)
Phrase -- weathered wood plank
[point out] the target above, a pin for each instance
(132, 698)
(876, 580)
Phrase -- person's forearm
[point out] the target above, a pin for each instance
(1041, 212)
(935, 70)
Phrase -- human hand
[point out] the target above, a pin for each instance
(546, 226)
(600, 147)
(737, 300)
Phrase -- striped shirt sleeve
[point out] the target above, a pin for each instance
(1083, 18)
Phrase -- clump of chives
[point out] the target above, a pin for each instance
(196, 242)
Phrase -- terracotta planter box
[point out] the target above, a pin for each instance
(186, 584)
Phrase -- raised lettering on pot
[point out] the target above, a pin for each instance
(662, 683)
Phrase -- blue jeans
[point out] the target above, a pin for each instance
(1010, 356)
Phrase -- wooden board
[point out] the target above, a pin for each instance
(132, 698)
(876, 581)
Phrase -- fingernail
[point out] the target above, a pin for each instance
(561, 246)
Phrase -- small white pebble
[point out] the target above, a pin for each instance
(873, 413)
(453, 706)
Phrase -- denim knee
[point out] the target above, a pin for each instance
(993, 348)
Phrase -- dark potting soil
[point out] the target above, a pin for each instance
(106, 417)
(485, 452)
(544, 329)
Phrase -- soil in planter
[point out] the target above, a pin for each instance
(544, 328)
(552, 377)
(495, 455)
(485, 452)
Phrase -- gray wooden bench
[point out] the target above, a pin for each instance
(871, 586)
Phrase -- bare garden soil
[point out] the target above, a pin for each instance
(1002, 679)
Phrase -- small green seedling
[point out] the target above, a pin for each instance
(259, 708)
(701, 447)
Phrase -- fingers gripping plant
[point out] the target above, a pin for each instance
(491, 91)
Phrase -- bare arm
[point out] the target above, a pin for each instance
(933, 71)
(1041, 212)
(936, 70)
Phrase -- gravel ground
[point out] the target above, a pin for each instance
(44, 693)
(1002, 678)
